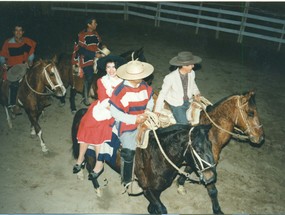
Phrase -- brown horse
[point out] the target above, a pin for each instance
(157, 166)
(39, 83)
(70, 77)
(236, 111)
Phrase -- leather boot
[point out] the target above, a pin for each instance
(13, 90)
(131, 186)
(86, 90)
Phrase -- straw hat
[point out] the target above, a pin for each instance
(184, 59)
(134, 70)
(17, 72)
(105, 51)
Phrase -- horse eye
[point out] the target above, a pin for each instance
(250, 114)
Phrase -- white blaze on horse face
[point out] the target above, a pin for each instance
(59, 83)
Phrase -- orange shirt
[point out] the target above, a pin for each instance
(18, 53)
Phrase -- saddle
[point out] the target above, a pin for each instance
(166, 119)
(193, 113)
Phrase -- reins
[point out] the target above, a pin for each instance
(153, 123)
(239, 136)
(48, 80)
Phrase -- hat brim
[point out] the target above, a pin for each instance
(122, 72)
(101, 63)
(17, 72)
(175, 62)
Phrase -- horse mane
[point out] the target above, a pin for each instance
(173, 128)
(212, 107)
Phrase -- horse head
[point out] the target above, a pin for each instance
(52, 80)
(201, 154)
(247, 118)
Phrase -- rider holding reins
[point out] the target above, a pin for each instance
(19, 51)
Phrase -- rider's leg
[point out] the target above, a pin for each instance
(79, 164)
(13, 91)
(179, 112)
(99, 164)
(88, 78)
(127, 160)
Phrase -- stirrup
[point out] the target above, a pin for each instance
(78, 167)
(93, 175)
(133, 188)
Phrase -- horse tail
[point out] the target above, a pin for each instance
(75, 124)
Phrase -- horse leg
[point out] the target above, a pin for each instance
(155, 205)
(33, 116)
(90, 164)
(72, 99)
(181, 181)
(62, 100)
(8, 117)
(213, 193)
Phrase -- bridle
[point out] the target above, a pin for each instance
(53, 87)
(242, 114)
(238, 136)
(153, 123)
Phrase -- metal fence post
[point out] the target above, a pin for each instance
(243, 21)
(198, 19)
(282, 35)
(157, 15)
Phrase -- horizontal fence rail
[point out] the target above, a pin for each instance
(243, 24)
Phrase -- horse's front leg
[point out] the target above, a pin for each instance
(181, 181)
(91, 161)
(213, 193)
(72, 99)
(155, 205)
(33, 117)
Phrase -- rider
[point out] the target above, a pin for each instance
(17, 50)
(87, 49)
(129, 102)
(179, 86)
(95, 127)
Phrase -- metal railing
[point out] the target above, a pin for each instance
(243, 24)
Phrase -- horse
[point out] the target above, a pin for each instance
(157, 166)
(40, 82)
(235, 111)
(70, 77)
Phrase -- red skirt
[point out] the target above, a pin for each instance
(94, 132)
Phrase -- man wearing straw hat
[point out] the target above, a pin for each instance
(179, 86)
(128, 103)
(87, 50)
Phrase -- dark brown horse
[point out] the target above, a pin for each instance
(236, 111)
(155, 171)
(39, 83)
(70, 77)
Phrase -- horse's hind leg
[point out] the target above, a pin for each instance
(72, 99)
(155, 205)
(8, 117)
(213, 193)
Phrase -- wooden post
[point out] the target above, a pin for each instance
(198, 20)
(157, 16)
(282, 35)
(218, 25)
(243, 21)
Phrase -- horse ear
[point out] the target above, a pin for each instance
(54, 59)
(247, 96)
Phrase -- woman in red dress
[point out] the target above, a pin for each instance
(96, 125)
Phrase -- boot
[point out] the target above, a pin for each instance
(131, 186)
(13, 90)
(86, 89)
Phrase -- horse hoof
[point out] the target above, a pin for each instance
(181, 190)
(61, 104)
(73, 112)
(98, 192)
(80, 175)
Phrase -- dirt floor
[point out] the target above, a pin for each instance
(250, 179)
